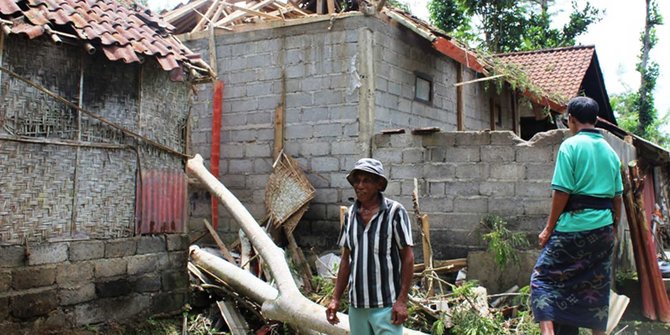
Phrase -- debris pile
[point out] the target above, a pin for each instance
(276, 295)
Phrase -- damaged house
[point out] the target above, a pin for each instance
(94, 106)
(348, 85)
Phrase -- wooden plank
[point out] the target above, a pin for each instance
(331, 6)
(238, 14)
(206, 18)
(235, 321)
(217, 239)
(343, 211)
(319, 6)
(255, 12)
(299, 260)
(183, 11)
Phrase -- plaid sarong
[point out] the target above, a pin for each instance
(570, 283)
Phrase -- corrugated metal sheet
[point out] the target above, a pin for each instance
(161, 202)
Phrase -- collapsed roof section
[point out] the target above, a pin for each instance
(239, 15)
(123, 33)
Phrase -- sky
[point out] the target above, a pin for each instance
(616, 39)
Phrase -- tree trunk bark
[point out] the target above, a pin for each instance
(289, 305)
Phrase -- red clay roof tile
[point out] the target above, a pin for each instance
(559, 71)
(122, 33)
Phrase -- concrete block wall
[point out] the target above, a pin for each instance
(328, 115)
(55, 286)
(464, 176)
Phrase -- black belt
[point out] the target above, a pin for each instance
(578, 202)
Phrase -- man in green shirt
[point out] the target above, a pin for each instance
(570, 283)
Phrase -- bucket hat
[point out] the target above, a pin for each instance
(369, 165)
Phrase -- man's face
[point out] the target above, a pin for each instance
(366, 185)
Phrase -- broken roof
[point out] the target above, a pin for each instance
(126, 33)
(566, 72)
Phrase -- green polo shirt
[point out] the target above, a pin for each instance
(587, 165)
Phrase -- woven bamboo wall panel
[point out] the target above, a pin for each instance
(36, 189)
(45, 191)
(30, 112)
(165, 107)
(106, 193)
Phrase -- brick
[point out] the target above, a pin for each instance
(113, 288)
(537, 206)
(147, 283)
(533, 154)
(539, 171)
(111, 267)
(329, 130)
(70, 274)
(472, 171)
(142, 264)
(82, 292)
(454, 221)
(241, 166)
(12, 256)
(463, 154)
(386, 156)
(434, 204)
(33, 277)
(177, 242)
(5, 281)
(397, 171)
(497, 154)
(505, 205)
(174, 280)
(325, 164)
(120, 247)
(112, 309)
(467, 138)
(505, 138)
(461, 188)
(510, 172)
(171, 302)
(471, 204)
(533, 189)
(149, 244)
(30, 305)
(48, 253)
(413, 155)
(446, 139)
(85, 250)
(315, 148)
(492, 188)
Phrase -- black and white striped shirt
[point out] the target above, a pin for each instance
(375, 264)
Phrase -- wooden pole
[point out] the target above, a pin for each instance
(648, 309)
(222, 246)
(460, 126)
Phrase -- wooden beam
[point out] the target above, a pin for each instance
(331, 6)
(206, 18)
(319, 6)
(492, 114)
(460, 126)
(222, 246)
(459, 54)
(255, 12)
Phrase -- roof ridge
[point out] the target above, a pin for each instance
(574, 47)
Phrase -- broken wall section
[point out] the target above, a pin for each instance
(464, 176)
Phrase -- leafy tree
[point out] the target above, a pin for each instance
(635, 110)
(509, 25)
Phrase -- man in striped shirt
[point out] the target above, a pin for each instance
(377, 258)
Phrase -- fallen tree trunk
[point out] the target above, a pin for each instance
(289, 305)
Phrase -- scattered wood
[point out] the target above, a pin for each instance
(235, 321)
(424, 228)
(449, 265)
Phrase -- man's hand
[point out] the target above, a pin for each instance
(399, 313)
(331, 312)
(544, 237)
